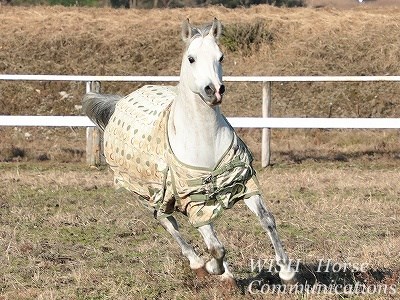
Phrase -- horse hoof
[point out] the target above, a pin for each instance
(287, 275)
(201, 272)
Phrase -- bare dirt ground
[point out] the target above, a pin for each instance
(66, 234)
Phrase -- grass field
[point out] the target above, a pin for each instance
(65, 233)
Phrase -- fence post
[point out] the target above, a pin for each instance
(266, 132)
(94, 147)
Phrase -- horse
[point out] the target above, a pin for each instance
(172, 146)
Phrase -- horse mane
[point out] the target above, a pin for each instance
(201, 31)
(198, 32)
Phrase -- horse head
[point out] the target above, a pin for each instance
(201, 69)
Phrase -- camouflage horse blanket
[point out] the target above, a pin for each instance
(137, 148)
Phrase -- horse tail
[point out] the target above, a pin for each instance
(99, 107)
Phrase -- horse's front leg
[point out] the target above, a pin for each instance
(217, 265)
(267, 220)
(196, 262)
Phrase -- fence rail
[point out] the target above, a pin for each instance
(140, 78)
(266, 122)
(238, 122)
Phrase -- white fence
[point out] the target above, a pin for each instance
(266, 121)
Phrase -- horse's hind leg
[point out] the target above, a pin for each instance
(257, 206)
(196, 263)
(217, 265)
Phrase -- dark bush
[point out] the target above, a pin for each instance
(17, 152)
(73, 2)
(287, 3)
(246, 37)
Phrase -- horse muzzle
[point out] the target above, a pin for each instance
(214, 94)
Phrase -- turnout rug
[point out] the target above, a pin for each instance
(137, 149)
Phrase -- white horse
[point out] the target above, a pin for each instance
(192, 161)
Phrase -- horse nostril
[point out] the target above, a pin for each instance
(222, 89)
(210, 90)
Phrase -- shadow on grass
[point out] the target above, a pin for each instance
(299, 157)
(325, 279)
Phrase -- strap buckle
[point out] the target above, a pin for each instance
(208, 179)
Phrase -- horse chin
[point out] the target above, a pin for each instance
(212, 101)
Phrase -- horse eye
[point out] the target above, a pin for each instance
(221, 59)
(191, 59)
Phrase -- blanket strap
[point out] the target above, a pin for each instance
(211, 177)
(236, 189)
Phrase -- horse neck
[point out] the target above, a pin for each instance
(199, 134)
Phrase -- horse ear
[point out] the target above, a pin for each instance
(216, 29)
(187, 30)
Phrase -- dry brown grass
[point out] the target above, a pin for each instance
(351, 4)
(306, 41)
